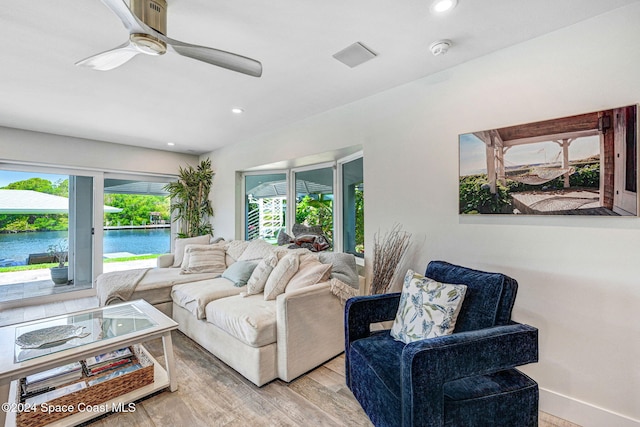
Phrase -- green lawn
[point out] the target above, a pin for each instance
(43, 266)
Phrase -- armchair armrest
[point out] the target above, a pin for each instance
(433, 362)
(361, 312)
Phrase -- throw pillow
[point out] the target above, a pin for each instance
(280, 276)
(309, 273)
(187, 254)
(284, 238)
(180, 244)
(240, 272)
(235, 248)
(427, 308)
(343, 267)
(256, 249)
(204, 259)
(258, 279)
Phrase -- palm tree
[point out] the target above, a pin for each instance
(190, 198)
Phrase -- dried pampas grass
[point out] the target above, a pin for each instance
(388, 251)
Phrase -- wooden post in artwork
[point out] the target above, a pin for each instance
(491, 168)
(565, 159)
(490, 150)
(502, 177)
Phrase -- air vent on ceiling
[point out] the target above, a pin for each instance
(355, 55)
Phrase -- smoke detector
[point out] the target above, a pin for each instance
(440, 47)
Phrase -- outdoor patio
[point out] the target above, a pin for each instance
(36, 283)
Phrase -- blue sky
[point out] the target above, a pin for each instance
(473, 153)
(7, 177)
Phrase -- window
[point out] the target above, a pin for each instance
(265, 204)
(330, 195)
(314, 199)
(352, 184)
(42, 210)
(140, 225)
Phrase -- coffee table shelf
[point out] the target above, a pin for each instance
(148, 324)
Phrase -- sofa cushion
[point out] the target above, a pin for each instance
(280, 276)
(256, 249)
(155, 286)
(180, 244)
(235, 248)
(255, 284)
(239, 272)
(251, 320)
(204, 259)
(194, 296)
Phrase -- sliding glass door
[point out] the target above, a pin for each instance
(46, 232)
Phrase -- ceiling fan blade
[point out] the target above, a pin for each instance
(220, 58)
(130, 21)
(110, 59)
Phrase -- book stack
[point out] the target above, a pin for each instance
(48, 380)
(108, 361)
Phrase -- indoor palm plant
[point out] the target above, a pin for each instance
(59, 253)
(190, 200)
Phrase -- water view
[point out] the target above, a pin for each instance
(16, 247)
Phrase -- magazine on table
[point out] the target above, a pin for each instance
(55, 372)
(116, 373)
(108, 366)
(105, 358)
(52, 377)
(54, 394)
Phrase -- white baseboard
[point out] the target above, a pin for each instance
(581, 413)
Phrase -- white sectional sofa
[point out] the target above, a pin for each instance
(283, 331)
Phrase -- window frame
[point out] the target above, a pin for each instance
(339, 199)
(290, 176)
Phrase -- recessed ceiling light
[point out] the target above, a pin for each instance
(171, 144)
(237, 110)
(440, 6)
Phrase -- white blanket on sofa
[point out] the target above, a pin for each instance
(118, 286)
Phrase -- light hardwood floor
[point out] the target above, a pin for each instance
(212, 394)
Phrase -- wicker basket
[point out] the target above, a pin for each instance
(91, 395)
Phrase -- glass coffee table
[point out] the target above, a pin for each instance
(31, 347)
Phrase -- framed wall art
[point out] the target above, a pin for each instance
(579, 165)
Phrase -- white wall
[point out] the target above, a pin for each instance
(579, 276)
(17, 145)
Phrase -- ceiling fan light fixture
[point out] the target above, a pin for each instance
(148, 44)
(441, 6)
(237, 110)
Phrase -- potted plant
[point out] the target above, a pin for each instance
(190, 199)
(59, 252)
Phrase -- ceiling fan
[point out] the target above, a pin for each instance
(146, 22)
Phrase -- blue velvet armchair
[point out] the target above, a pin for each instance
(460, 380)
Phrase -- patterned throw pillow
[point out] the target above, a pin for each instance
(427, 308)
(204, 259)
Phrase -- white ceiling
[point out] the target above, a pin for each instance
(151, 101)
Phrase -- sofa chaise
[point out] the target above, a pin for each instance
(268, 312)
